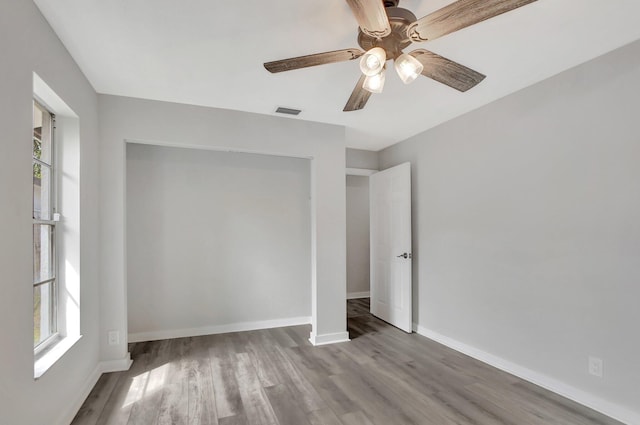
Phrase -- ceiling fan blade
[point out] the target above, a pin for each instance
(358, 98)
(447, 71)
(458, 15)
(313, 60)
(371, 16)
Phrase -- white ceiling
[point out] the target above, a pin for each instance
(209, 52)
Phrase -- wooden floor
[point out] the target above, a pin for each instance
(382, 377)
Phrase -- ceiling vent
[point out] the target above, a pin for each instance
(287, 111)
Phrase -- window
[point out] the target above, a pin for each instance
(56, 227)
(45, 286)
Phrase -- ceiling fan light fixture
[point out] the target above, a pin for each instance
(374, 83)
(408, 68)
(373, 61)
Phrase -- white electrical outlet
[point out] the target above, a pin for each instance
(114, 337)
(595, 366)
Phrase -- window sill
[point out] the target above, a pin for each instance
(46, 359)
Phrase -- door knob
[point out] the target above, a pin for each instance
(404, 255)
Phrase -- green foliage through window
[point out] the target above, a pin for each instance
(37, 154)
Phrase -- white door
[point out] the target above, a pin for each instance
(390, 234)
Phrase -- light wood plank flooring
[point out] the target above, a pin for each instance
(382, 377)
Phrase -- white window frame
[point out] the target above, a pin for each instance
(54, 337)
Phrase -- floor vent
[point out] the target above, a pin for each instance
(288, 111)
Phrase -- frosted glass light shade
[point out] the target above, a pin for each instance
(371, 63)
(374, 83)
(408, 68)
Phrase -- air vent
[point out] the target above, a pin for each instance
(287, 111)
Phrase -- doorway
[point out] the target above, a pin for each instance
(379, 258)
(358, 265)
(358, 243)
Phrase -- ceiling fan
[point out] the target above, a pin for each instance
(386, 29)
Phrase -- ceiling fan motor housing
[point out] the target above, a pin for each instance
(397, 40)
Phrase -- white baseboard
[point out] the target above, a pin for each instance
(329, 338)
(605, 407)
(354, 295)
(76, 404)
(116, 365)
(218, 329)
(89, 383)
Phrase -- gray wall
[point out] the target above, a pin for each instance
(215, 238)
(526, 227)
(27, 44)
(170, 124)
(358, 158)
(357, 234)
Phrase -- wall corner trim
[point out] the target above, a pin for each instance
(118, 365)
(605, 407)
(325, 339)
